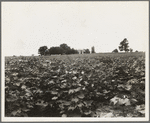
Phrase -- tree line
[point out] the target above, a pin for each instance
(62, 49)
(124, 46)
(65, 49)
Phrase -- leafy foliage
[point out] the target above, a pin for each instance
(97, 87)
(62, 49)
(87, 51)
(115, 51)
(124, 45)
(43, 50)
(56, 50)
(93, 50)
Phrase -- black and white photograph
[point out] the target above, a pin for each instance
(74, 61)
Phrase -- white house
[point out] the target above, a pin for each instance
(81, 51)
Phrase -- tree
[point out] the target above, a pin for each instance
(131, 50)
(87, 51)
(93, 49)
(115, 51)
(47, 52)
(124, 45)
(65, 47)
(73, 51)
(42, 50)
(56, 50)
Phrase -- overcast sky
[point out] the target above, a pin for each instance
(28, 25)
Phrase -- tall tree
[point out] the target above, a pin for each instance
(124, 45)
(42, 50)
(93, 49)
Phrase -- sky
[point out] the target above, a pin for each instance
(26, 26)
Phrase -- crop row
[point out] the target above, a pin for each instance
(74, 87)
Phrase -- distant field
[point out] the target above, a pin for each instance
(74, 56)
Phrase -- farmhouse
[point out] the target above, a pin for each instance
(81, 51)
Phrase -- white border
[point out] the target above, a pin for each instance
(57, 119)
